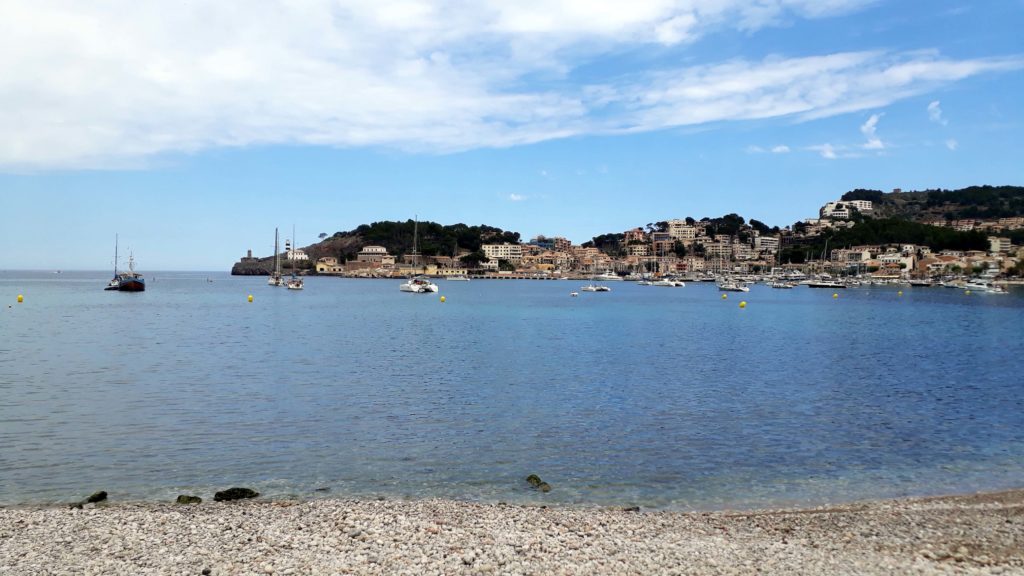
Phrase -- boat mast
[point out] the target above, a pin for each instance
(277, 257)
(415, 234)
(115, 255)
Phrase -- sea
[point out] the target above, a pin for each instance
(666, 398)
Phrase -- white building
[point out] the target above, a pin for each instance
(843, 208)
(680, 230)
(766, 243)
(999, 244)
(510, 252)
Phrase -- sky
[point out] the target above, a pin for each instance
(193, 129)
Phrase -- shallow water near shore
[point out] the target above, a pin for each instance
(660, 397)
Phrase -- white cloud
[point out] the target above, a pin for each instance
(935, 113)
(952, 144)
(89, 85)
(780, 149)
(516, 197)
(826, 151)
(868, 130)
(752, 149)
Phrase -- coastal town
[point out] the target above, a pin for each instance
(697, 250)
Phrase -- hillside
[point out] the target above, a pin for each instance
(434, 240)
(974, 202)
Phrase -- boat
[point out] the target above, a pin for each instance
(595, 288)
(921, 283)
(982, 287)
(417, 284)
(574, 294)
(608, 276)
(131, 281)
(782, 285)
(275, 276)
(458, 278)
(730, 286)
(294, 283)
(823, 283)
(115, 282)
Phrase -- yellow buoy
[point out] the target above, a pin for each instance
(900, 293)
(743, 304)
(967, 292)
(250, 297)
(442, 298)
(724, 296)
(21, 298)
(835, 295)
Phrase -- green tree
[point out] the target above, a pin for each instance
(473, 259)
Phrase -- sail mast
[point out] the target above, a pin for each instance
(115, 255)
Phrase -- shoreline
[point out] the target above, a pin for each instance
(979, 533)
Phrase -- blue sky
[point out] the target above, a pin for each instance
(193, 130)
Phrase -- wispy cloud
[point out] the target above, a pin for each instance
(753, 149)
(935, 113)
(516, 197)
(95, 85)
(826, 151)
(952, 144)
(868, 130)
(780, 149)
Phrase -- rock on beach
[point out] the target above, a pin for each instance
(978, 534)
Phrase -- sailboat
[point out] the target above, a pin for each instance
(417, 284)
(275, 276)
(115, 282)
(294, 283)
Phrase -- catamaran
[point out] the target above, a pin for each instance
(417, 284)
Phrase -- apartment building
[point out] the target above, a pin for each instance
(506, 251)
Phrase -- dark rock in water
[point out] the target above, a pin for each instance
(631, 509)
(77, 505)
(544, 487)
(205, 572)
(534, 480)
(234, 494)
(96, 497)
(322, 489)
(186, 499)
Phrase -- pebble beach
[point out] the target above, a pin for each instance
(970, 534)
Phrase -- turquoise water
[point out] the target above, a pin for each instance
(663, 397)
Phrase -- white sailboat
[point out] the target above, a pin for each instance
(275, 276)
(115, 282)
(294, 283)
(417, 284)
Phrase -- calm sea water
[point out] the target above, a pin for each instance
(654, 396)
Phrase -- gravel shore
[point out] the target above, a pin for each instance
(977, 534)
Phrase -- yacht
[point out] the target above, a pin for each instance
(981, 286)
(823, 283)
(458, 278)
(782, 285)
(418, 285)
(730, 286)
(595, 288)
(608, 276)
